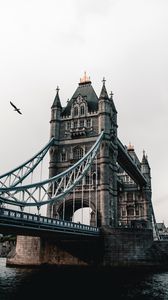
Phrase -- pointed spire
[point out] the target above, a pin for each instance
(113, 105)
(57, 102)
(144, 158)
(145, 168)
(111, 95)
(103, 93)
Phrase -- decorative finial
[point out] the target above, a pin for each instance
(130, 146)
(143, 152)
(57, 89)
(104, 80)
(85, 78)
(111, 95)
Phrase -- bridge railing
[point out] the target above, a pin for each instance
(12, 215)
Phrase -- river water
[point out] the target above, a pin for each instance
(78, 283)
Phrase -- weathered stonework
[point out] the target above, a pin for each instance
(27, 251)
(117, 247)
(115, 200)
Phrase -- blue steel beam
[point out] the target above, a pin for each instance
(18, 174)
(54, 188)
(127, 163)
(25, 223)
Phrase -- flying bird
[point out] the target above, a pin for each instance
(15, 108)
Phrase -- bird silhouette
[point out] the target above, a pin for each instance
(15, 108)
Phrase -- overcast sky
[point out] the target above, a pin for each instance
(45, 43)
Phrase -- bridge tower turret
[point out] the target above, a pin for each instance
(55, 122)
(145, 168)
(56, 110)
(146, 171)
(107, 122)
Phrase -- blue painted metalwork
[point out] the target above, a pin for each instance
(128, 164)
(18, 174)
(12, 218)
(54, 188)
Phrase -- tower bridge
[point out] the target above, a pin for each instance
(89, 167)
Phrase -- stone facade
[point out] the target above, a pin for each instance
(118, 204)
(114, 198)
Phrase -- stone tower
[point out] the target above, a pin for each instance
(116, 201)
(76, 127)
(113, 197)
(135, 205)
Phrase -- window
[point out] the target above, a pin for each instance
(130, 211)
(88, 123)
(75, 124)
(75, 111)
(77, 152)
(129, 197)
(68, 125)
(82, 110)
(137, 211)
(63, 157)
(81, 123)
(123, 212)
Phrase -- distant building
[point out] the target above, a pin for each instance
(162, 230)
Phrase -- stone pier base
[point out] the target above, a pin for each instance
(33, 251)
(27, 251)
(126, 246)
(115, 247)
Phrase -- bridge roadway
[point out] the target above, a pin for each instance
(128, 164)
(23, 223)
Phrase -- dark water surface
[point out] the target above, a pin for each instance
(78, 283)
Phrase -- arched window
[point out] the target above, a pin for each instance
(77, 152)
(130, 211)
(82, 110)
(129, 197)
(88, 123)
(68, 125)
(82, 123)
(63, 156)
(75, 111)
(75, 124)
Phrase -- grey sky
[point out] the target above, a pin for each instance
(50, 43)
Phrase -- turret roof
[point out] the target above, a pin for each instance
(57, 102)
(86, 90)
(113, 105)
(145, 159)
(103, 93)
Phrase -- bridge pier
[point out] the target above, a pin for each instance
(27, 252)
(33, 251)
(126, 246)
(115, 247)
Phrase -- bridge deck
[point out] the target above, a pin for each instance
(127, 163)
(17, 222)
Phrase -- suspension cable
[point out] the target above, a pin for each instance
(96, 192)
(82, 199)
(73, 203)
(90, 174)
(63, 208)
